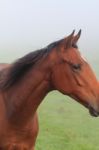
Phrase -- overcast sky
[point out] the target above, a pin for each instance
(27, 25)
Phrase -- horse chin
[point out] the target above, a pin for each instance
(93, 113)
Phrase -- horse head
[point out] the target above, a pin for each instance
(72, 75)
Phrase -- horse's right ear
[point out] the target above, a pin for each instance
(68, 40)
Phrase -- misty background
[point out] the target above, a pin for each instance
(28, 25)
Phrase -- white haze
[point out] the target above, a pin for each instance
(27, 25)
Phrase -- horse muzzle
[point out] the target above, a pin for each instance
(93, 112)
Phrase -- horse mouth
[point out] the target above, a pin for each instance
(93, 112)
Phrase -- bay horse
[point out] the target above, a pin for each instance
(24, 84)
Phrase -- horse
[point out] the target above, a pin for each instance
(25, 82)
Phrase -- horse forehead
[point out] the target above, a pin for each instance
(76, 55)
(73, 53)
(83, 58)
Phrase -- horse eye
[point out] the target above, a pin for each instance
(76, 66)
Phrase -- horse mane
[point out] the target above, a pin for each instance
(11, 75)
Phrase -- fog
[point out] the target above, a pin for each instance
(27, 25)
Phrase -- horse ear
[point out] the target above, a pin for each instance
(69, 40)
(76, 38)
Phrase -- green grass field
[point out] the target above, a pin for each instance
(66, 125)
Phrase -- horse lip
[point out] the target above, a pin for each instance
(93, 112)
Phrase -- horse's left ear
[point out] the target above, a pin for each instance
(68, 41)
(76, 38)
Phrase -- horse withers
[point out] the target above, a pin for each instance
(24, 84)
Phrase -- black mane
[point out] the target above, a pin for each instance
(9, 76)
(19, 68)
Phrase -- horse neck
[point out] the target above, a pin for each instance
(26, 95)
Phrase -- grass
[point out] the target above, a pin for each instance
(66, 125)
